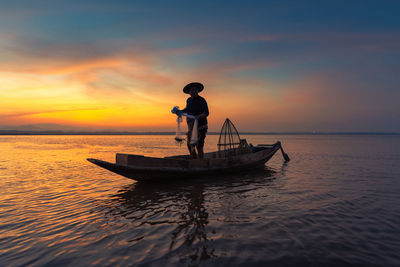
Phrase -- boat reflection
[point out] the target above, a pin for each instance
(182, 206)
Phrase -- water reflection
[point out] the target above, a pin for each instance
(181, 206)
(192, 227)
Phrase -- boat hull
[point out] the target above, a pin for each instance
(148, 168)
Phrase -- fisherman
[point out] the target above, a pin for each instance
(197, 107)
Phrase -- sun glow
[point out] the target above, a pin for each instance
(37, 98)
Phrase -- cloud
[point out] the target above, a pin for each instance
(90, 66)
(370, 41)
(40, 112)
(334, 102)
(127, 73)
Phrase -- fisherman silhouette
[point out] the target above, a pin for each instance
(197, 109)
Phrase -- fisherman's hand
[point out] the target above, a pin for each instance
(175, 110)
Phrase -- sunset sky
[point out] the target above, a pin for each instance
(267, 65)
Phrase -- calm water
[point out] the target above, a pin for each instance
(337, 202)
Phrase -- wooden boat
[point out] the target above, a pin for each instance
(139, 167)
(233, 155)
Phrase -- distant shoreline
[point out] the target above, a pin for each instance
(12, 132)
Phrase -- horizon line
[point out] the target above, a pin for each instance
(60, 132)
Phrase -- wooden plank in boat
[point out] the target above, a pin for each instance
(139, 160)
(123, 159)
(199, 163)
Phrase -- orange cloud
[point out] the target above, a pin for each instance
(82, 67)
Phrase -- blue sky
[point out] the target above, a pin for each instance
(268, 65)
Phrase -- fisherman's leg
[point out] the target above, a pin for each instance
(200, 144)
(200, 152)
(191, 148)
(192, 151)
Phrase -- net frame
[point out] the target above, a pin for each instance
(229, 138)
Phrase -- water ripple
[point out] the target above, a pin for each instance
(335, 203)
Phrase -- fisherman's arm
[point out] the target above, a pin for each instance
(185, 109)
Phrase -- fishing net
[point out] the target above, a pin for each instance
(179, 137)
(194, 138)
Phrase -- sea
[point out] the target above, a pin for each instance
(336, 203)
